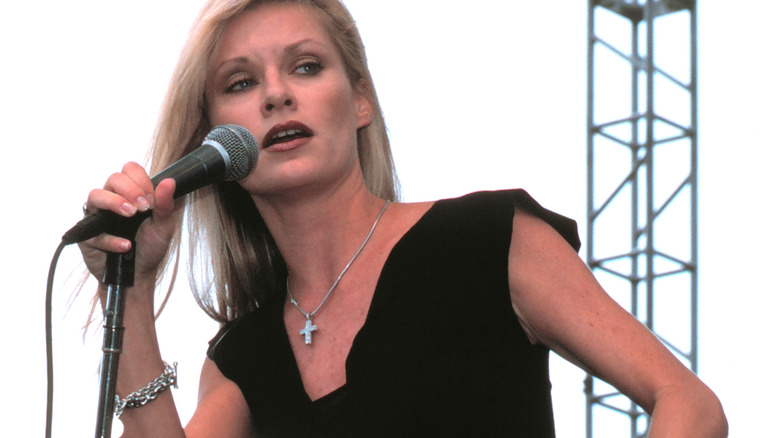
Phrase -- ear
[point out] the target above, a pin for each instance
(363, 108)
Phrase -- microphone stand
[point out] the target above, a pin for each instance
(120, 269)
(119, 275)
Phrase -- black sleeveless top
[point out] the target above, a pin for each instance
(441, 352)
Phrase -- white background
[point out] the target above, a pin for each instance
(478, 95)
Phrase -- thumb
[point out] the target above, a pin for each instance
(163, 217)
(163, 197)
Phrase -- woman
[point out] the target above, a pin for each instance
(346, 313)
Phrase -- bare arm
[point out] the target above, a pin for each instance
(561, 305)
(221, 409)
(139, 364)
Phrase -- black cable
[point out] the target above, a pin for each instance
(49, 352)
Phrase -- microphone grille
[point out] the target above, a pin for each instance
(241, 147)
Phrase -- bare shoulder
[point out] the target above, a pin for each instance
(222, 409)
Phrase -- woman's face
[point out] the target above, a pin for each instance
(278, 74)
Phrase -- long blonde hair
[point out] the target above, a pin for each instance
(234, 262)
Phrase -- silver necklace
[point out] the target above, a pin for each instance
(307, 329)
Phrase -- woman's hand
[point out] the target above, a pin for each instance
(127, 193)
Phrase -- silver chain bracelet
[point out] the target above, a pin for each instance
(149, 392)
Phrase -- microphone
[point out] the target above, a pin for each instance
(228, 153)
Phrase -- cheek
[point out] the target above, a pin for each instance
(339, 107)
(238, 112)
(223, 113)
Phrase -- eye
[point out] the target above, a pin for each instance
(309, 68)
(240, 84)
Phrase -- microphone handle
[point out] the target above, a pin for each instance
(205, 165)
(104, 221)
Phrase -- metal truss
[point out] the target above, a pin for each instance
(642, 181)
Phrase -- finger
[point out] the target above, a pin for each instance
(124, 193)
(104, 243)
(102, 199)
(138, 175)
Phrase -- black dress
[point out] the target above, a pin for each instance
(441, 352)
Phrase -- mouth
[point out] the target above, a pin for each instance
(286, 132)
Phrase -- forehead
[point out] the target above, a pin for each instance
(271, 26)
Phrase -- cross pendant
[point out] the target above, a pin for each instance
(306, 331)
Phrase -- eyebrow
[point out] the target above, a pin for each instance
(294, 46)
(287, 49)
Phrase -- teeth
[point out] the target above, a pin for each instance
(289, 132)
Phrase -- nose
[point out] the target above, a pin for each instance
(277, 97)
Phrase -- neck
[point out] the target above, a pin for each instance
(318, 235)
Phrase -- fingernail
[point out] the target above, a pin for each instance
(124, 245)
(142, 203)
(129, 208)
(150, 199)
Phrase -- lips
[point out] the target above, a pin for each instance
(285, 132)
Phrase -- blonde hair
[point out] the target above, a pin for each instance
(241, 265)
